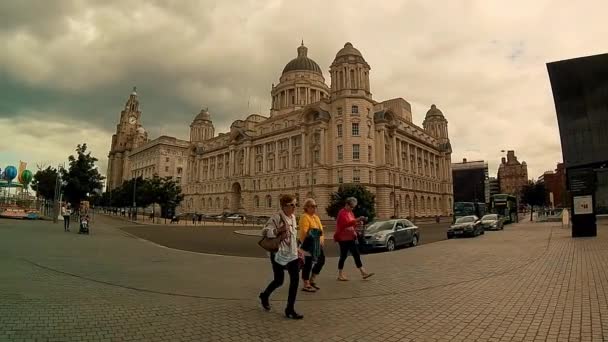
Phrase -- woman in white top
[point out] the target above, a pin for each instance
(286, 257)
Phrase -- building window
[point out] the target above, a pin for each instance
(371, 177)
(354, 110)
(179, 170)
(268, 201)
(339, 128)
(340, 152)
(339, 111)
(259, 165)
(317, 156)
(355, 151)
(369, 153)
(167, 159)
(166, 169)
(355, 129)
(340, 177)
(256, 201)
(356, 176)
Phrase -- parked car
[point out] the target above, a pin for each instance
(492, 222)
(235, 217)
(390, 234)
(466, 226)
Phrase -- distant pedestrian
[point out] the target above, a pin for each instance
(346, 237)
(286, 257)
(200, 218)
(65, 212)
(311, 240)
(194, 219)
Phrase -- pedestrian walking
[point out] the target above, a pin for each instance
(194, 219)
(65, 212)
(311, 240)
(346, 237)
(284, 224)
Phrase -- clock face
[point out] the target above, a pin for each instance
(132, 119)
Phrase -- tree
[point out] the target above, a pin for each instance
(81, 177)
(366, 201)
(534, 194)
(44, 183)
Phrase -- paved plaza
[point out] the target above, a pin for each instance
(530, 282)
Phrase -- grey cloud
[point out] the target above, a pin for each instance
(78, 61)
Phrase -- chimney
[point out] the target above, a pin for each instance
(464, 160)
(503, 160)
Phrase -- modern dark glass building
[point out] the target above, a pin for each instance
(580, 93)
(471, 182)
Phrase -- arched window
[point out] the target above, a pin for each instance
(268, 201)
(256, 201)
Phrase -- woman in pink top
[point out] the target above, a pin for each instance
(346, 237)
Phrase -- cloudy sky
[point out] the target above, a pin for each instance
(67, 67)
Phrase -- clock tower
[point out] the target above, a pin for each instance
(129, 135)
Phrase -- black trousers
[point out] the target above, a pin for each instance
(308, 265)
(345, 248)
(66, 222)
(293, 268)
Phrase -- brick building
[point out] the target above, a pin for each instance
(512, 175)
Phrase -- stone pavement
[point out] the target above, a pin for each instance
(530, 282)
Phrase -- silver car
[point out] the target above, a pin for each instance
(492, 222)
(390, 234)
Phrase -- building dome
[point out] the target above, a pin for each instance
(349, 50)
(141, 130)
(203, 115)
(434, 111)
(302, 62)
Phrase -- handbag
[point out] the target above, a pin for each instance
(272, 244)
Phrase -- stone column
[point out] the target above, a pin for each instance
(303, 150)
(289, 154)
(264, 158)
(382, 146)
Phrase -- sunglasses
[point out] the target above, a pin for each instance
(293, 205)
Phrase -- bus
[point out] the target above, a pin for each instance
(504, 205)
(469, 208)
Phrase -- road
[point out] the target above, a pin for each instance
(223, 240)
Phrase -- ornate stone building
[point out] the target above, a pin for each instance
(129, 135)
(315, 138)
(512, 175)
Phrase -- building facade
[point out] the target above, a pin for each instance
(320, 136)
(512, 175)
(471, 181)
(555, 183)
(129, 135)
(494, 186)
(164, 156)
(316, 138)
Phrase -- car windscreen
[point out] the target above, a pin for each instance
(465, 219)
(493, 217)
(380, 226)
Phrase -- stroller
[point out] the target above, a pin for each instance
(84, 225)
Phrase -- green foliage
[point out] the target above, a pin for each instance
(81, 177)
(366, 201)
(163, 191)
(534, 194)
(44, 183)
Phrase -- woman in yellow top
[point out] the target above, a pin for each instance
(311, 240)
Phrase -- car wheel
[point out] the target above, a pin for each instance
(483, 231)
(449, 236)
(390, 245)
(414, 241)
